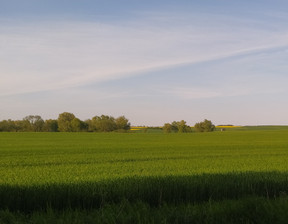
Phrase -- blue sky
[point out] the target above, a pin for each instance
(152, 61)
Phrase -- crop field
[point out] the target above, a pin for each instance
(238, 176)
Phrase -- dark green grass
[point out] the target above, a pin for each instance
(244, 210)
(153, 191)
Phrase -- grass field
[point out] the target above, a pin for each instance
(238, 176)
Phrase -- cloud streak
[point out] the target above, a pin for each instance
(49, 55)
(146, 60)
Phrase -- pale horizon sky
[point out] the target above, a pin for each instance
(152, 61)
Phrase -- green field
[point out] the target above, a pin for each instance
(238, 176)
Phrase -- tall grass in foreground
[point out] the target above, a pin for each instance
(153, 191)
(245, 210)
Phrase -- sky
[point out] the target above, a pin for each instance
(152, 61)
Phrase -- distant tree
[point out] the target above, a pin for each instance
(204, 126)
(183, 127)
(174, 126)
(177, 126)
(7, 125)
(167, 128)
(84, 126)
(122, 123)
(92, 124)
(2, 126)
(18, 125)
(27, 124)
(51, 125)
(89, 125)
(24, 125)
(78, 125)
(65, 122)
(103, 123)
(33, 123)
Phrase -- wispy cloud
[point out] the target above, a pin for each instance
(127, 59)
(47, 56)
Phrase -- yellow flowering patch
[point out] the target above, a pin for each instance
(135, 128)
(228, 126)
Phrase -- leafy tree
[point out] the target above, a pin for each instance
(89, 125)
(2, 126)
(122, 123)
(78, 125)
(29, 123)
(183, 127)
(65, 122)
(180, 126)
(204, 126)
(12, 126)
(103, 123)
(24, 125)
(51, 125)
(177, 126)
(84, 126)
(167, 128)
(33, 123)
(174, 126)
(7, 125)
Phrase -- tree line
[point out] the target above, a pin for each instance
(182, 127)
(66, 122)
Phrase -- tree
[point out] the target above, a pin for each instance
(182, 127)
(3, 125)
(65, 122)
(177, 126)
(89, 125)
(78, 125)
(51, 125)
(122, 123)
(24, 125)
(103, 123)
(167, 128)
(14, 125)
(174, 126)
(7, 125)
(33, 123)
(204, 126)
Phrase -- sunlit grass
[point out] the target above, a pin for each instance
(92, 170)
